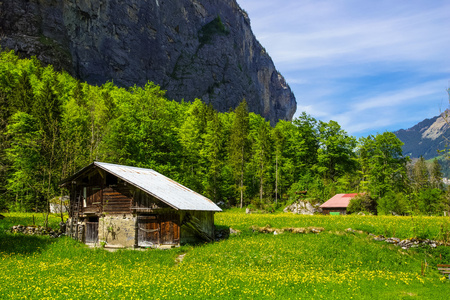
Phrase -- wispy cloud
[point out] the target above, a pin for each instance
(370, 65)
(403, 97)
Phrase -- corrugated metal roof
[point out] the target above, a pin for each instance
(339, 200)
(161, 187)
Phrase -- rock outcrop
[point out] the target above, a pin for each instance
(303, 208)
(191, 48)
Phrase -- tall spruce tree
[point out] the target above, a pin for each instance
(421, 174)
(213, 153)
(47, 109)
(26, 180)
(191, 134)
(239, 147)
(436, 175)
(261, 160)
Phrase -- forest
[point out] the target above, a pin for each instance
(52, 125)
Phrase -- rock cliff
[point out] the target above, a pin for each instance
(193, 49)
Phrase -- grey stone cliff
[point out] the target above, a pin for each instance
(193, 49)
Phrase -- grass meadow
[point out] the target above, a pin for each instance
(333, 264)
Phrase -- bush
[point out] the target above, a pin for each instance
(430, 201)
(393, 203)
(313, 185)
(215, 27)
(362, 203)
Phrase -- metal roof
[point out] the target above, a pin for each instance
(339, 200)
(160, 186)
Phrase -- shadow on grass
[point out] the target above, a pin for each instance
(23, 244)
(222, 232)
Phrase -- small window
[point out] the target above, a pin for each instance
(84, 196)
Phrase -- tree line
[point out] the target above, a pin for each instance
(52, 125)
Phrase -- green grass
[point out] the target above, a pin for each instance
(329, 265)
(393, 226)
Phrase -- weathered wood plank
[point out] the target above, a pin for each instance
(116, 208)
(117, 198)
(118, 204)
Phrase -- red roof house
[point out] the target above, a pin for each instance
(337, 204)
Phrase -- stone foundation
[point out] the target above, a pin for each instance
(117, 230)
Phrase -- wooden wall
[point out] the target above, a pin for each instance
(341, 210)
(197, 225)
(159, 229)
(155, 223)
(117, 199)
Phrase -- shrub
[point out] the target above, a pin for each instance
(430, 200)
(215, 27)
(362, 203)
(392, 203)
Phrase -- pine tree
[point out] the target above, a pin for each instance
(212, 152)
(25, 179)
(47, 110)
(421, 175)
(238, 147)
(279, 140)
(191, 135)
(436, 175)
(261, 152)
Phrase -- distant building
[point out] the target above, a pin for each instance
(59, 205)
(123, 206)
(337, 204)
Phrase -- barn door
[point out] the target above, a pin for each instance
(148, 231)
(170, 229)
(92, 230)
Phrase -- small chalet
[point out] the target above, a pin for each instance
(124, 206)
(337, 205)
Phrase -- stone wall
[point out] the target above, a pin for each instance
(117, 230)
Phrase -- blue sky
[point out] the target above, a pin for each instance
(372, 66)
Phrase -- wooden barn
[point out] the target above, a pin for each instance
(122, 206)
(337, 205)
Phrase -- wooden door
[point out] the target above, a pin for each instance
(170, 229)
(148, 231)
(91, 230)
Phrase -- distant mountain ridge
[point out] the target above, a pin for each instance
(427, 137)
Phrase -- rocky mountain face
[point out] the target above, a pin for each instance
(191, 48)
(427, 137)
